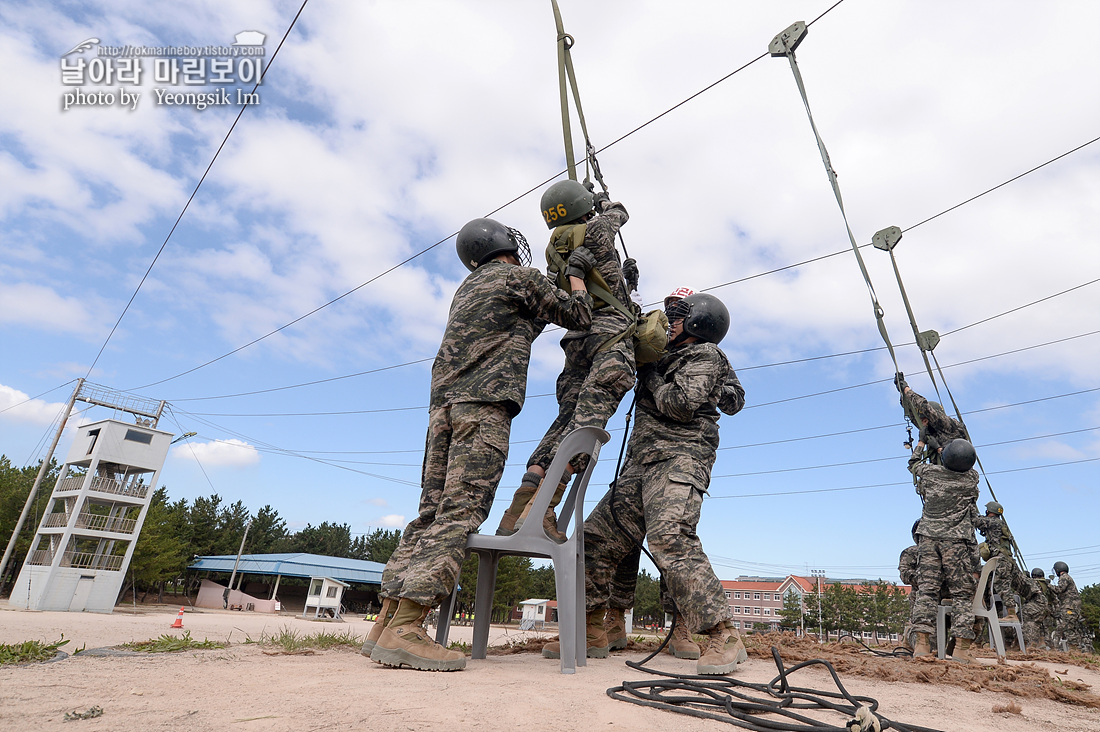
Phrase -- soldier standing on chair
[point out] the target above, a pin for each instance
(946, 548)
(998, 543)
(599, 361)
(479, 379)
(659, 494)
(936, 428)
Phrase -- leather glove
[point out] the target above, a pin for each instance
(650, 378)
(630, 273)
(899, 382)
(601, 201)
(580, 261)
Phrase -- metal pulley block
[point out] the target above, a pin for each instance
(886, 239)
(928, 340)
(788, 40)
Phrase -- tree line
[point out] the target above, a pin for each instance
(877, 607)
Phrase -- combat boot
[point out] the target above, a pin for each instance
(923, 646)
(723, 652)
(595, 639)
(404, 642)
(614, 623)
(682, 644)
(521, 499)
(389, 607)
(962, 650)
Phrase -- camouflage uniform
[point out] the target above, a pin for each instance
(1036, 617)
(907, 571)
(1006, 578)
(595, 378)
(940, 429)
(946, 549)
(478, 384)
(659, 494)
(1069, 620)
(625, 582)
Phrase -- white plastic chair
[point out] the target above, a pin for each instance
(982, 595)
(531, 541)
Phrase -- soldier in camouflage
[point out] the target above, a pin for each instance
(936, 428)
(1069, 619)
(946, 547)
(599, 360)
(659, 493)
(907, 571)
(1036, 596)
(479, 380)
(998, 543)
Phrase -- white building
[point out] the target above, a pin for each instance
(83, 545)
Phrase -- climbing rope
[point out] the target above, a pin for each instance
(776, 705)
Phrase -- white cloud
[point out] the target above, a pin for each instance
(34, 411)
(221, 453)
(392, 521)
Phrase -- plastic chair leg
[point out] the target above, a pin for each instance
(483, 601)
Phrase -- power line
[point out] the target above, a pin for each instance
(39, 396)
(194, 192)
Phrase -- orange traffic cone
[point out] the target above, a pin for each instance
(179, 620)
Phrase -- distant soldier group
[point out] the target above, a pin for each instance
(944, 562)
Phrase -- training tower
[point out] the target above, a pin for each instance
(83, 545)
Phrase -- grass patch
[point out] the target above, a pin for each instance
(29, 651)
(288, 640)
(461, 646)
(90, 714)
(174, 644)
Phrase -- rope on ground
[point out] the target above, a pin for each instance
(771, 707)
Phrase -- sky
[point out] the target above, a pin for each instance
(291, 315)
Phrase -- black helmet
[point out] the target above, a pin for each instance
(565, 202)
(994, 507)
(916, 525)
(482, 239)
(1037, 573)
(1060, 567)
(959, 455)
(704, 316)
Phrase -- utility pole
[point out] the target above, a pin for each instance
(819, 573)
(225, 596)
(38, 482)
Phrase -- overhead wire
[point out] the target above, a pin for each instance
(198, 185)
(37, 396)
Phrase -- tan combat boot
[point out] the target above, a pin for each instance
(614, 624)
(521, 500)
(723, 652)
(595, 638)
(389, 607)
(923, 646)
(404, 642)
(962, 650)
(682, 644)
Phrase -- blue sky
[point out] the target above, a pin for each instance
(383, 127)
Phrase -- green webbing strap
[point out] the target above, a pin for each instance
(596, 290)
(784, 45)
(568, 78)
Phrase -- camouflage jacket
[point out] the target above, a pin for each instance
(996, 534)
(1035, 590)
(496, 313)
(907, 566)
(599, 238)
(732, 399)
(950, 500)
(1066, 595)
(678, 405)
(940, 427)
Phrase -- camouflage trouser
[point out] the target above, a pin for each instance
(464, 457)
(660, 501)
(625, 581)
(948, 562)
(1006, 582)
(1035, 616)
(589, 390)
(1071, 628)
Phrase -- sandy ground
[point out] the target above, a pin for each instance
(242, 688)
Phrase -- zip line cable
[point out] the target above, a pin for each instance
(198, 185)
(39, 396)
(534, 396)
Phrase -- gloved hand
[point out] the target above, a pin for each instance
(601, 201)
(580, 261)
(899, 382)
(630, 273)
(590, 186)
(649, 377)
